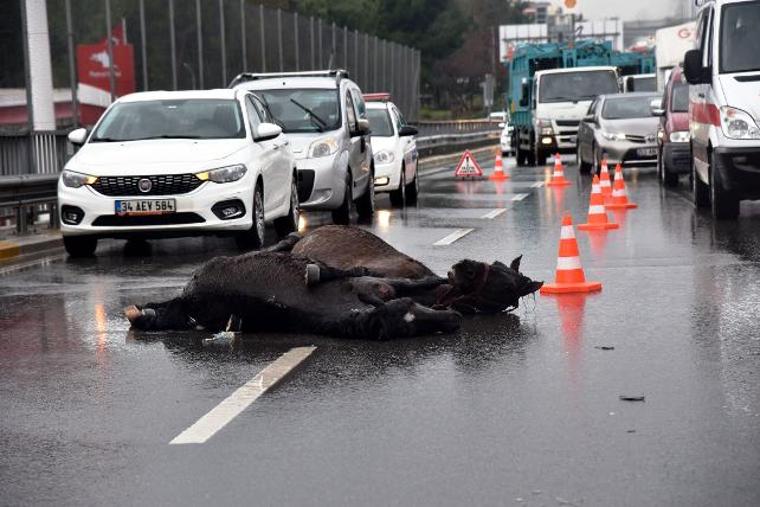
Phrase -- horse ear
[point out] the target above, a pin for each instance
(499, 264)
(516, 263)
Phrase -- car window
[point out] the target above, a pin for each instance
(253, 115)
(361, 107)
(262, 110)
(592, 107)
(350, 114)
(174, 118)
(401, 119)
(679, 99)
(380, 122)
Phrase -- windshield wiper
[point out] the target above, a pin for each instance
(318, 122)
(166, 136)
(107, 140)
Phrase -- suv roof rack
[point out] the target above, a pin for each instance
(243, 77)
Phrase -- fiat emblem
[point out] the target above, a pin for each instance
(144, 185)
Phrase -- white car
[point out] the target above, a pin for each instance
(324, 116)
(395, 151)
(161, 164)
(505, 139)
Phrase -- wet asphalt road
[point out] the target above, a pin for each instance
(515, 409)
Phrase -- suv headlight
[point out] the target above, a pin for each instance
(75, 180)
(613, 136)
(223, 174)
(738, 124)
(680, 137)
(384, 157)
(323, 147)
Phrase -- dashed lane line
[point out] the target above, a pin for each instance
(537, 184)
(454, 236)
(519, 197)
(207, 426)
(494, 213)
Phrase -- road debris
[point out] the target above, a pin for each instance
(605, 347)
(632, 398)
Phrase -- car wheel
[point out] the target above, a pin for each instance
(289, 223)
(725, 203)
(80, 246)
(254, 237)
(597, 160)
(398, 196)
(699, 190)
(667, 178)
(583, 167)
(539, 157)
(365, 205)
(413, 190)
(342, 215)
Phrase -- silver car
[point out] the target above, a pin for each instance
(618, 127)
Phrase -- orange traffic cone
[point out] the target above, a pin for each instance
(558, 178)
(569, 277)
(606, 184)
(619, 193)
(498, 169)
(597, 213)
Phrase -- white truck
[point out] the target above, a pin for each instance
(672, 42)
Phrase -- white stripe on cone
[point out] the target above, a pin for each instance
(567, 232)
(596, 209)
(568, 263)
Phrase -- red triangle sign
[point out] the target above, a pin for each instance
(468, 167)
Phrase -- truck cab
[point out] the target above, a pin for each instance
(724, 109)
(557, 100)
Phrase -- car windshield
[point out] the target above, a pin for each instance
(308, 110)
(740, 37)
(380, 122)
(575, 86)
(645, 84)
(171, 119)
(679, 103)
(627, 107)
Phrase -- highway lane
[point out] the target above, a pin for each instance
(516, 409)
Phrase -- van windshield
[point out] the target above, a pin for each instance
(679, 103)
(307, 110)
(740, 37)
(576, 86)
(171, 119)
(645, 84)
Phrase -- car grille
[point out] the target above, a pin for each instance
(164, 184)
(635, 138)
(148, 220)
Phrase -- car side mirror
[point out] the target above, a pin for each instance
(406, 130)
(692, 68)
(78, 136)
(362, 127)
(266, 131)
(589, 118)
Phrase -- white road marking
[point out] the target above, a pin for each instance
(494, 213)
(458, 234)
(519, 197)
(537, 184)
(207, 426)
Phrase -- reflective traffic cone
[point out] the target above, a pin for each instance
(569, 277)
(619, 193)
(498, 169)
(604, 180)
(558, 178)
(597, 213)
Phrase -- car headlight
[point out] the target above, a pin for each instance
(738, 124)
(680, 137)
(75, 180)
(223, 174)
(547, 131)
(613, 136)
(323, 147)
(384, 157)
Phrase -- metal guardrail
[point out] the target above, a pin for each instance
(29, 195)
(33, 153)
(439, 144)
(428, 128)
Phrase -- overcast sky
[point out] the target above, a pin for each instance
(629, 9)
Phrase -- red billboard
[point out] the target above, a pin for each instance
(93, 64)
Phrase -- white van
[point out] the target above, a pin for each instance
(724, 109)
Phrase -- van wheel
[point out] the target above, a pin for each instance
(253, 238)
(289, 223)
(398, 196)
(725, 203)
(699, 190)
(365, 205)
(342, 215)
(80, 246)
(413, 190)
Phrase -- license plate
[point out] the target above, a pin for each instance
(647, 152)
(145, 207)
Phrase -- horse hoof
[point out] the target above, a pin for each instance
(132, 313)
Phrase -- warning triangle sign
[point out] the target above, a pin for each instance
(468, 167)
